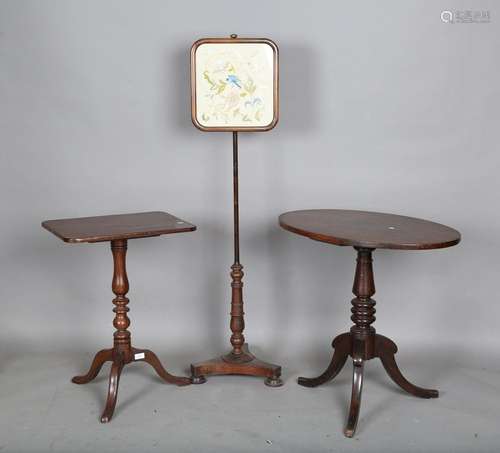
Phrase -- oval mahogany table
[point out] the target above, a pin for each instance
(366, 231)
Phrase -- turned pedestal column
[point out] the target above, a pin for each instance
(122, 352)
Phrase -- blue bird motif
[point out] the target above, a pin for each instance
(231, 78)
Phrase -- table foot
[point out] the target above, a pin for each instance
(198, 380)
(241, 364)
(151, 358)
(114, 380)
(103, 356)
(119, 360)
(357, 388)
(385, 350)
(273, 382)
(342, 349)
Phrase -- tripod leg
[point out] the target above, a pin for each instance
(357, 387)
(100, 358)
(342, 346)
(114, 380)
(385, 350)
(151, 358)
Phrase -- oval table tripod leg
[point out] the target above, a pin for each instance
(395, 374)
(386, 350)
(114, 380)
(342, 345)
(105, 355)
(357, 387)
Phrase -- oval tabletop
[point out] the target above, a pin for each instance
(369, 229)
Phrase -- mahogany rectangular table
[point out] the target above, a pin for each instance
(118, 229)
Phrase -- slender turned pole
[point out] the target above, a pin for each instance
(237, 323)
(120, 287)
(236, 207)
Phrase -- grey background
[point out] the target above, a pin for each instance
(383, 107)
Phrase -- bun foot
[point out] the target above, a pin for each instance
(273, 382)
(198, 380)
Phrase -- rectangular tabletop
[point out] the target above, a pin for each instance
(113, 227)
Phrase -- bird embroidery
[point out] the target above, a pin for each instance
(231, 78)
